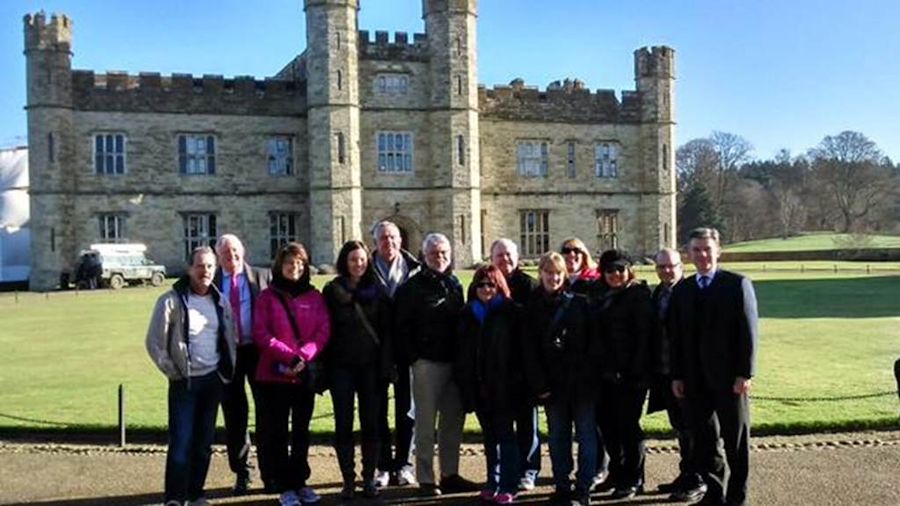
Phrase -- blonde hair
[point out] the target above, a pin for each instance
(553, 261)
(574, 242)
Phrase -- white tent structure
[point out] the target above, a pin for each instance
(15, 230)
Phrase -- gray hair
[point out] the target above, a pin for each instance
(510, 245)
(667, 251)
(381, 225)
(433, 239)
(704, 233)
(225, 239)
(200, 250)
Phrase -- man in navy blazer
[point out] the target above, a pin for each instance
(714, 332)
(240, 284)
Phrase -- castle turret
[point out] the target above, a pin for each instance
(48, 56)
(654, 73)
(450, 26)
(332, 84)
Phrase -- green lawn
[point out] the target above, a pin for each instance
(824, 335)
(815, 241)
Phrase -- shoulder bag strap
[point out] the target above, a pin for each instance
(365, 322)
(290, 314)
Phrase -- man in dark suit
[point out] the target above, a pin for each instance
(240, 284)
(714, 332)
(688, 485)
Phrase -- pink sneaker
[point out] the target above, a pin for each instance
(504, 498)
(487, 495)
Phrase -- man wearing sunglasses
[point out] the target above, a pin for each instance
(714, 332)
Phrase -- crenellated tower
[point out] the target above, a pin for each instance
(654, 73)
(450, 26)
(332, 66)
(48, 57)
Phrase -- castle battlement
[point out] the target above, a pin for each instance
(186, 93)
(86, 81)
(655, 61)
(381, 48)
(55, 34)
(567, 100)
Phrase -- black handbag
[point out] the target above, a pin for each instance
(314, 375)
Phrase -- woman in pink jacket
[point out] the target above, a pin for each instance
(290, 328)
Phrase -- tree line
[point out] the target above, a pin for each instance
(844, 184)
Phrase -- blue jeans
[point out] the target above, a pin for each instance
(193, 405)
(500, 449)
(528, 439)
(561, 414)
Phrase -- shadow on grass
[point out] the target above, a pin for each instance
(403, 496)
(863, 297)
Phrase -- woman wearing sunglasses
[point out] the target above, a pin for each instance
(489, 373)
(623, 317)
(580, 268)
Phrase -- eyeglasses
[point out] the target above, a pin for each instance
(485, 284)
(609, 269)
(667, 266)
(567, 249)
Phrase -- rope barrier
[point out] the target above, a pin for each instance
(824, 399)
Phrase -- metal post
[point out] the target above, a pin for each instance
(121, 415)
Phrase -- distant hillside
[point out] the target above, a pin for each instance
(816, 241)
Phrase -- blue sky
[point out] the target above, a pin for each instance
(783, 74)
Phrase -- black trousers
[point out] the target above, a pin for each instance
(621, 406)
(403, 423)
(715, 415)
(347, 383)
(278, 403)
(676, 409)
(235, 411)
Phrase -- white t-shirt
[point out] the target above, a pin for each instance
(203, 334)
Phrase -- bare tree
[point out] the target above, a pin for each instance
(849, 171)
(696, 162)
(732, 152)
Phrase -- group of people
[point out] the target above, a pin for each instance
(587, 342)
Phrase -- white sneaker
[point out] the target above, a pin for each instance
(382, 478)
(307, 495)
(527, 482)
(406, 476)
(289, 498)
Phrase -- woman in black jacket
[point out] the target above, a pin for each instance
(561, 360)
(624, 318)
(488, 371)
(356, 359)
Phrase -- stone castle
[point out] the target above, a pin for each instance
(352, 131)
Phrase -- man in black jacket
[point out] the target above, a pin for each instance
(688, 486)
(393, 267)
(714, 333)
(505, 256)
(427, 313)
(240, 284)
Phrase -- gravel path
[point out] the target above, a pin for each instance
(824, 469)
